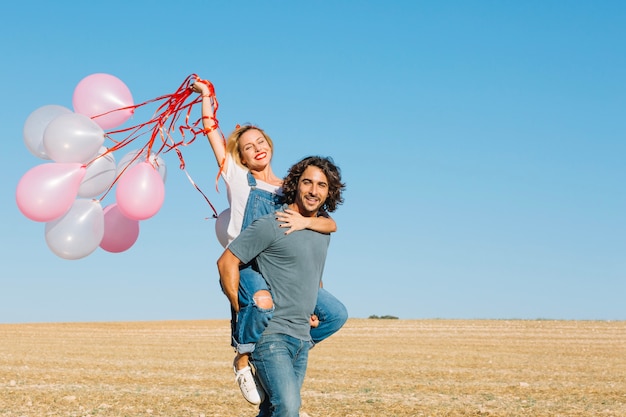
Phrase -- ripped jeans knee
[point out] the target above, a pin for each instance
(256, 308)
(252, 321)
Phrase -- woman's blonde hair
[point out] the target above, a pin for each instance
(232, 143)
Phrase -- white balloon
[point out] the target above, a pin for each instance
(36, 124)
(79, 232)
(134, 157)
(72, 137)
(99, 176)
(221, 227)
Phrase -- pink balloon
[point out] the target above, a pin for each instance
(98, 94)
(136, 156)
(46, 192)
(120, 232)
(140, 192)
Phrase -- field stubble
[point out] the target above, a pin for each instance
(370, 368)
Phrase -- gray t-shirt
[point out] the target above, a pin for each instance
(292, 265)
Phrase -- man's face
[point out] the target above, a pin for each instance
(312, 191)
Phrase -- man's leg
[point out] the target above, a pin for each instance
(281, 362)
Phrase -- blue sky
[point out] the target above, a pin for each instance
(482, 143)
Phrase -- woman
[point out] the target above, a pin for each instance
(254, 190)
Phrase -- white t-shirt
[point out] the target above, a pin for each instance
(238, 190)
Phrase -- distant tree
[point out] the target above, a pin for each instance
(386, 317)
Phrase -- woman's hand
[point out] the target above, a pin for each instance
(201, 88)
(292, 220)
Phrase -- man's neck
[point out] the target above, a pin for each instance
(303, 213)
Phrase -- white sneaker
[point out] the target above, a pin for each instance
(249, 386)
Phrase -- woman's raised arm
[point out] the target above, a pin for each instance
(209, 120)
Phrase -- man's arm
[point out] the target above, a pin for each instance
(228, 267)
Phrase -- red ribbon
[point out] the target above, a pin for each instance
(166, 124)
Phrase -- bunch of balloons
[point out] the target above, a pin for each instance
(62, 193)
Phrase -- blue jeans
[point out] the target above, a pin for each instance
(332, 315)
(260, 203)
(251, 319)
(248, 324)
(281, 362)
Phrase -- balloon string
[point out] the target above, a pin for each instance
(200, 191)
(164, 124)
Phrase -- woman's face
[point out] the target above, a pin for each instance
(254, 149)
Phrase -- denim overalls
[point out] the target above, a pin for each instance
(249, 323)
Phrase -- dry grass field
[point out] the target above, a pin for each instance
(370, 368)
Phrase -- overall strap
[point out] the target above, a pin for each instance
(251, 180)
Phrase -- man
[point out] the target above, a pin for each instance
(292, 264)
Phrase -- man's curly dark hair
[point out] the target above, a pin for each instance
(328, 167)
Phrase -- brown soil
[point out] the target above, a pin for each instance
(370, 368)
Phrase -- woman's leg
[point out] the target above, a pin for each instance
(332, 315)
(255, 311)
(256, 308)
